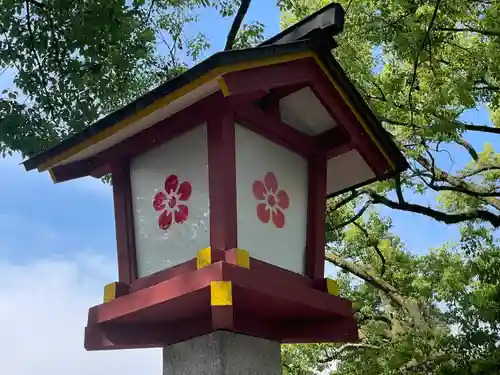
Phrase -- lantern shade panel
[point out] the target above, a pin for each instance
(171, 202)
(347, 170)
(303, 111)
(271, 200)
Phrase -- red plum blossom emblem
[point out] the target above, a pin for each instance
(172, 202)
(273, 201)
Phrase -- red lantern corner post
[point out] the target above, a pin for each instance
(220, 180)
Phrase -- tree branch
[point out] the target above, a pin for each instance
(458, 184)
(150, 10)
(348, 6)
(491, 88)
(377, 318)
(55, 41)
(344, 201)
(447, 218)
(470, 149)
(417, 58)
(444, 217)
(355, 217)
(379, 283)
(478, 170)
(413, 365)
(37, 3)
(349, 346)
(238, 19)
(42, 76)
(399, 190)
(398, 123)
(471, 127)
(481, 128)
(457, 46)
(10, 49)
(375, 247)
(470, 30)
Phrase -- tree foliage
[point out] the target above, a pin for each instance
(73, 61)
(423, 65)
(431, 314)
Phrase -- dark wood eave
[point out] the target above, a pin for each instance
(217, 60)
(315, 44)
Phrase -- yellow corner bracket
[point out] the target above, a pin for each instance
(221, 293)
(109, 292)
(203, 258)
(242, 258)
(332, 287)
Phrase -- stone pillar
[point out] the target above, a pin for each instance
(223, 353)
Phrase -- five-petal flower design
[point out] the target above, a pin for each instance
(171, 202)
(273, 201)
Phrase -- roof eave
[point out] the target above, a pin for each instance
(218, 60)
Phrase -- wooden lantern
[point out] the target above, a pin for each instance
(220, 180)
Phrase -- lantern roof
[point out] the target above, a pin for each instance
(310, 39)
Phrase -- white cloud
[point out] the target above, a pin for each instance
(43, 312)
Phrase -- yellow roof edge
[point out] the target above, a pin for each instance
(161, 102)
(211, 75)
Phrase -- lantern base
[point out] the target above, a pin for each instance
(223, 353)
(269, 303)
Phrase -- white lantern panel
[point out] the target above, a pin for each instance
(346, 170)
(171, 202)
(272, 201)
(303, 111)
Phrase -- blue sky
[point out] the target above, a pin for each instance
(57, 250)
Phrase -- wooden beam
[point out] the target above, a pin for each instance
(333, 142)
(270, 103)
(165, 130)
(316, 206)
(71, 171)
(222, 181)
(343, 115)
(273, 129)
(124, 223)
(268, 77)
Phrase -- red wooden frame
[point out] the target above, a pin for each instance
(166, 307)
(268, 77)
(270, 104)
(306, 72)
(328, 95)
(124, 223)
(245, 88)
(281, 306)
(315, 250)
(222, 181)
(333, 142)
(163, 131)
(273, 129)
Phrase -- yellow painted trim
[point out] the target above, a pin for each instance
(223, 86)
(109, 292)
(332, 287)
(214, 73)
(203, 258)
(353, 110)
(221, 293)
(52, 176)
(242, 258)
(162, 102)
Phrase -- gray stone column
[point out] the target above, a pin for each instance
(223, 353)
